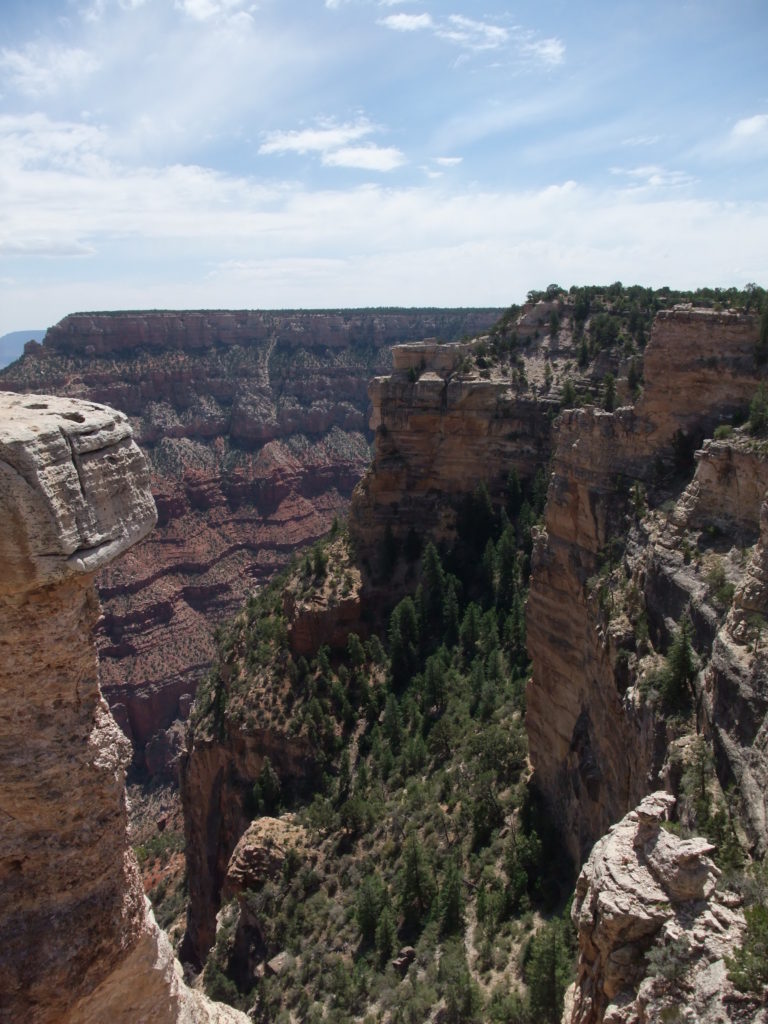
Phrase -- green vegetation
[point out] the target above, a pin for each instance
(421, 816)
(758, 411)
(748, 968)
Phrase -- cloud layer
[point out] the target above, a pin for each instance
(330, 152)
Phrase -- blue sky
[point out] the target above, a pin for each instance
(308, 153)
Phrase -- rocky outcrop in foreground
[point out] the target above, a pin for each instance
(79, 941)
(254, 424)
(653, 930)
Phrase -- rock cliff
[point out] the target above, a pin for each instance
(254, 424)
(79, 941)
(653, 930)
(606, 570)
(442, 428)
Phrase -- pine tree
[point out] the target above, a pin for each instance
(469, 634)
(433, 593)
(514, 494)
(680, 669)
(547, 973)
(506, 559)
(451, 613)
(267, 789)
(417, 884)
(609, 392)
(386, 935)
(371, 899)
(403, 642)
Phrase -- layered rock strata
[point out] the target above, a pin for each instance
(79, 941)
(653, 930)
(593, 747)
(254, 423)
(441, 430)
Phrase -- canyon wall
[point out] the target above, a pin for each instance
(443, 426)
(254, 423)
(441, 430)
(80, 944)
(596, 747)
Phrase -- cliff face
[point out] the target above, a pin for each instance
(595, 746)
(441, 430)
(79, 942)
(606, 573)
(254, 426)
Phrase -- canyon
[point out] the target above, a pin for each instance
(254, 425)
(311, 771)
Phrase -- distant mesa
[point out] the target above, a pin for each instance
(12, 345)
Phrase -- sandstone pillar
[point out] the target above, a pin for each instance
(78, 942)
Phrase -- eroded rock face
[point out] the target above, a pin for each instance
(644, 888)
(593, 748)
(440, 432)
(254, 423)
(217, 775)
(735, 690)
(260, 854)
(78, 938)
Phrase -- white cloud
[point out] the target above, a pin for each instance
(407, 22)
(325, 137)
(189, 236)
(749, 127)
(474, 35)
(641, 140)
(332, 141)
(448, 161)
(654, 176)
(366, 158)
(203, 10)
(547, 51)
(42, 70)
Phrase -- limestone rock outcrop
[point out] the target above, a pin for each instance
(79, 942)
(254, 424)
(644, 890)
(261, 853)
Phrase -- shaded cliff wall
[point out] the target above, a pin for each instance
(593, 744)
(254, 423)
(79, 941)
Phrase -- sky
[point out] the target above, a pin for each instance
(325, 153)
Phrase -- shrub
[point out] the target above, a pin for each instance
(670, 960)
(748, 968)
(758, 411)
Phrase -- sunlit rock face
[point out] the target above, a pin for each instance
(79, 941)
(255, 427)
(441, 430)
(645, 889)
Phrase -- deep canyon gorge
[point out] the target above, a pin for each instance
(541, 634)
